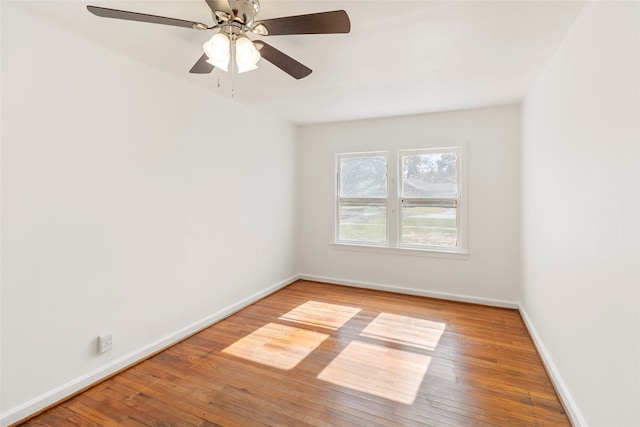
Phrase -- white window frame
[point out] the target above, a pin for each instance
(382, 200)
(394, 204)
(455, 202)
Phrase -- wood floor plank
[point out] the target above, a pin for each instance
(325, 355)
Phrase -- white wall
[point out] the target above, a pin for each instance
(580, 214)
(490, 273)
(118, 215)
(129, 203)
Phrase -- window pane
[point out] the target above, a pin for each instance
(430, 226)
(363, 222)
(430, 175)
(363, 176)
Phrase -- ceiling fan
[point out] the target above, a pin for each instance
(234, 19)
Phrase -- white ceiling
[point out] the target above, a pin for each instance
(401, 57)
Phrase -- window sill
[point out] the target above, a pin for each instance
(427, 252)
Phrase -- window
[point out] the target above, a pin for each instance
(429, 198)
(362, 198)
(423, 208)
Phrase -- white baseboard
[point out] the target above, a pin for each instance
(575, 416)
(411, 291)
(37, 404)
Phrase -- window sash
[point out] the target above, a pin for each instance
(402, 154)
(446, 240)
(340, 158)
(364, 229)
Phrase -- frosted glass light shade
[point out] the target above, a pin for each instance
(218, 50)
(247, 56)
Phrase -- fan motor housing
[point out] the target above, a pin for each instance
(240, 11)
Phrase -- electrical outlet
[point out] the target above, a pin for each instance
(105, 342)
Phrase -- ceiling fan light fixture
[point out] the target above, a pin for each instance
(218, 49)
(247, 56)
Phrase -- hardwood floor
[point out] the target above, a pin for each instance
(319, 354)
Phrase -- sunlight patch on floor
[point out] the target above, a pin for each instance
(412, 331)
(381, 371)
(314, 313)
(275, 345)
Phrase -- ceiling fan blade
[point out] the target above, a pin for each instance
(143, 17)
(333, 22)
(202, 66)
(283, 61)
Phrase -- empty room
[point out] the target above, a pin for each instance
(291, 213)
